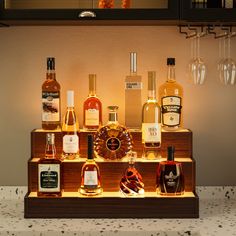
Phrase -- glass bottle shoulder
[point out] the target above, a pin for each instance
(51, 84)
(90, 165)
(171, 88)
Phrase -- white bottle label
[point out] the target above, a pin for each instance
(50, 106)
(90, 178)
(49, 177)
(92, 117)
(171, 110)
(70, 143)
(133, 85)
(151, 132)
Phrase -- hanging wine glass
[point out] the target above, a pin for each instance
(228, 67)
(220, 64)
(197, 67)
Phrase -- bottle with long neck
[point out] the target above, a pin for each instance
(70, 130)
(90, 174)
(92, 107)
(51, 106)
(49, 170)
(151, 121)
(133, 90)
(171, 98)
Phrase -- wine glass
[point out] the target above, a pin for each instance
(227, 69)
(197, 67)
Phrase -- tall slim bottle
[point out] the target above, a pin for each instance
(92, 107)
(51, 105)
(151, 121)
(133, 96)
(70, 130)
(49, 170)
(171, 99)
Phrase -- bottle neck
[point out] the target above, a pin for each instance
(113, 117)
(151, 94)
(92, 93)
(171, 73)
(50, 151)
(51, 74)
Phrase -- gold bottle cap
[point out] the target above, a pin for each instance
(92, 83)
(50, 138)
(151, 80)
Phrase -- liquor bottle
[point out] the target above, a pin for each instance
(106, 4)
(171, 99)
(126, 3)
(70, 130)
(92, 107)
(170, 177)
(112, 141)
(51, 106)
(151, 121)
(133, 90)
(49, 170)
(90, 174)
(131, 183)
(214, 3)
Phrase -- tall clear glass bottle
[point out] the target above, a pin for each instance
(171, 99)
(92, 112)
(151, 121)
(90, 174)
(133, 92)
(49, 170)
(70, 130)
(51, 104)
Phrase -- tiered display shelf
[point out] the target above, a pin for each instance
(112, 204)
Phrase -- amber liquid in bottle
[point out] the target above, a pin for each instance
(90, 174)
(49, 171)
(170, 177)
(106, 4)
(70, 130)
(112, 141)
(51, 105)
(151, 122)
(92, 107)
(171, 99)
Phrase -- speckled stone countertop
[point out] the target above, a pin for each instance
(217, 218)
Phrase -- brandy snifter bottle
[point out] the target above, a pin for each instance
(51, 105)
(90, 174)
(70, 130)
(112, 141)
(171, 98)
(49, 170)
(151, 121)
(92, 107)
(131, 183)
(170, 177)
(133, 92)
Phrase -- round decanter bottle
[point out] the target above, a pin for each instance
(112, 141)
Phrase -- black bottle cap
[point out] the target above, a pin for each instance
(51, 63)
(171, 153)
(90, 146)
(170, 61)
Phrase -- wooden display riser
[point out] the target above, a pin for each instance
(112, 205)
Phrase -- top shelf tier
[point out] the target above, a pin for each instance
(182, 140)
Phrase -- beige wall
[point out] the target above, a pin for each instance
(209, 110)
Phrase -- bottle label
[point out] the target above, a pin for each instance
(70, 143)
(50, 106)
(113, 144)
(151, 132)
(171, 179)
(90, 179)
(49, 177)
(171, 110)
(133, 85)
(92, 117)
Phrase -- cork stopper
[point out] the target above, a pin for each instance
(50, 63)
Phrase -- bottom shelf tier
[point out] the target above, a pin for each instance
(112, 205)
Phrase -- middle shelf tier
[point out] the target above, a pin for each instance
(111, 173)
